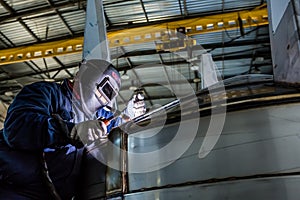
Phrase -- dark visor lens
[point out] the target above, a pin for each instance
(108, 91)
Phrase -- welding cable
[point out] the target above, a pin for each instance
(49, 184)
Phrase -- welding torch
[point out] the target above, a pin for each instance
(116, 114)
(138, 96)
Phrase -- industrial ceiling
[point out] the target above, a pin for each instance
(43, 40)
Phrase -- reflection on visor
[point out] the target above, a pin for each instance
(105, 91)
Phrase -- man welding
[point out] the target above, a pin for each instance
(48, 127)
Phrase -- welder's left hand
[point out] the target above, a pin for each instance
(136, 106)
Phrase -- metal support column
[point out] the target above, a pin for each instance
(285, 41)
(95, 36)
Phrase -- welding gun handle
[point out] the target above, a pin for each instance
(106, 121)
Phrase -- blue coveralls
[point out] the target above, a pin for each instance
(28, 130)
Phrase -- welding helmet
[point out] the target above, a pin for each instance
(97, 84)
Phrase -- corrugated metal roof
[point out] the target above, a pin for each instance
(15, 34)
(31, 22)
(125, 12)
(21, 5)
(160, 10)
(47, 27)
(75, 19)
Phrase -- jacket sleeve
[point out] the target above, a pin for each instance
(104, 114)
(28, 124)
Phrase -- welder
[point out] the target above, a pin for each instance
(42, 144)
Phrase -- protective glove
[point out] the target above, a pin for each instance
(136, 106)
(82, 133)
(87, 132)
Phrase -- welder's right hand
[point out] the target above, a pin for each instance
(87, 132)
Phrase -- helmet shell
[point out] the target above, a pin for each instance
(88, 84)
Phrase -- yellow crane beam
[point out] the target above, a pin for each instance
(151, 33)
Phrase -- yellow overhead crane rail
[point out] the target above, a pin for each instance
(159, 34)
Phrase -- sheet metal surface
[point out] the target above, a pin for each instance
(264, 189)
(254, 141)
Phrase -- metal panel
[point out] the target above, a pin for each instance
(234, 5)
(160, 10)
(21, 5)
(193, 6)
(285, 43)
(260, 189)
(253, 142)
(207, 6)
(76, 20)
(3, 11)
(47, 28)
(19, 37)
(125, 12)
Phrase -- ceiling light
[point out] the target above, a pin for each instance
(9, 94)
(133, 88)
(49, 79)
(196, 80)
(259, 59)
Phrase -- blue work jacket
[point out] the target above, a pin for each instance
(29, 130)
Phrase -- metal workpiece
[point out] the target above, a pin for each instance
(255, 156)
(285, 43)
(253, 142)
(261, 188)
